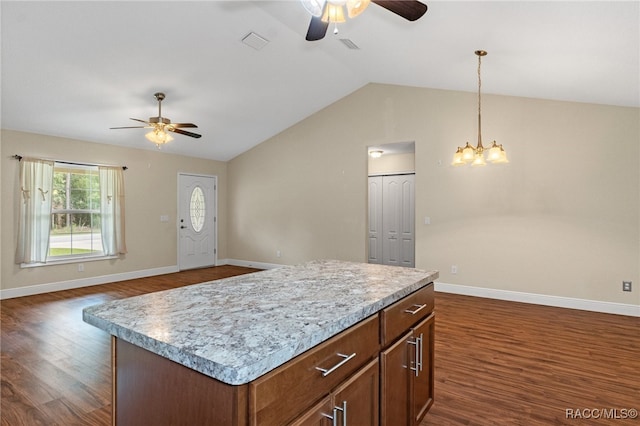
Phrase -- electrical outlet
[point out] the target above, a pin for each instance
(454, 269)
(278, 254)
(80, 267)
(626, 285)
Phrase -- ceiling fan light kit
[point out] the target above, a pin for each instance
(161, 126)
(159, 137)
(325, 12)
(476, 155)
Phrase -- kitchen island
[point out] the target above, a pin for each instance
(295, 344)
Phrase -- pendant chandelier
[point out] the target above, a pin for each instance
(476, 155)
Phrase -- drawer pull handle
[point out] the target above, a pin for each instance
(326, 372)
(415, 311)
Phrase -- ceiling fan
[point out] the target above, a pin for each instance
(161, 126)
(324, 12)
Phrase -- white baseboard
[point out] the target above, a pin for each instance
(490, 293)
(83, 282)
(104, 279)
(541, 299)
(249, 264)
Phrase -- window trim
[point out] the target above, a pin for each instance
(69, 260)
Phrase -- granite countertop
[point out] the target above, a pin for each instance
(236, 329)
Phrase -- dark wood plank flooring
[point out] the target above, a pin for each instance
(507, 363)
(497, 363)
(55, 369)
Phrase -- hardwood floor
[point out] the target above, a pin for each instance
(55, 369)
(506, 363)
(497, 363)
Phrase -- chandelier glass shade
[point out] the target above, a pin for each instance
(158, 136)
(333, 11)
(356, 7)
(476, 155)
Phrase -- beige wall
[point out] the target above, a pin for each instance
(392, 163)
(150, 191)
(561, 219)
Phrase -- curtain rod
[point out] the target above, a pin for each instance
(19, 157)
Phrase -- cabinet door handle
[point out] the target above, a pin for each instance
(415, 311)
(326, 372)
(420, 346)
(334, 417)
(418, 354)
(344, 413)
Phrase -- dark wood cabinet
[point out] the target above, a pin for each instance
(312, 375)
(394, 373)
(421, 389)
(319, 415)
(406, 364)
(378, 371)
(355, 402)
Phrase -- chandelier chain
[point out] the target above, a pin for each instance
(479, 103)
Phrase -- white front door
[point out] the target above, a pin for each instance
(196, 221)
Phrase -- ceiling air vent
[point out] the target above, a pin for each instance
(255, 41)
(349, 44)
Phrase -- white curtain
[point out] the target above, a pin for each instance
(34, 221)
(112, 210)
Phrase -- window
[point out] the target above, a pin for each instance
(75, 212)
(197, 209)
(69, 211)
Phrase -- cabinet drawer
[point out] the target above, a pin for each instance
(399, 317)
(282, 394)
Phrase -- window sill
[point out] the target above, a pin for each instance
(67, 260)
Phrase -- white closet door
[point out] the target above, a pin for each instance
(392, 217)
(375, 219)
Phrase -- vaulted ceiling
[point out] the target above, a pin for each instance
(75, 69)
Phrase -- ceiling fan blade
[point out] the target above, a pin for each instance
(184, 132)
(317, 29)
(176, 125)
(137, 119)
(129, 127)
(409, 10)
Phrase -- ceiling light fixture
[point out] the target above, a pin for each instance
(475, 155)
(158, 136)
(332, 11)
(376, 153)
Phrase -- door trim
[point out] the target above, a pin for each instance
(215, 216)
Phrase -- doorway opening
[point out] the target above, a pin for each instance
(391, 204)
